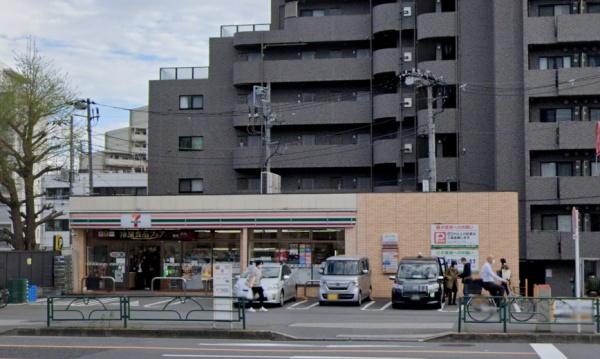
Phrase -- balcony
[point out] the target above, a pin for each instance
(550, 245)
(313, 70)
(576, 135)
(562, 28)
(541, 188)
(311, 29)
(445, 166)
(314, 113)
(541, 136)
(582, 190)
(575, 81)
(138, 137)
(183, 73)
(438, 24)
(386, 151)
(387, 189)
(445, 122)
(386, 60)
(120, 162)
(386, 17)
(442, 68)
(386, 106)
(317, 156)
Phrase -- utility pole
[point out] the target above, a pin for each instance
(261, 102)
(71, 157)
(89, 133)
(426, 79)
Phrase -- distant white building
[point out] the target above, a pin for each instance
(56, 189)
(126, 149)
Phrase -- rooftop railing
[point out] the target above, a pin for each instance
(230, 30)
(183, 73)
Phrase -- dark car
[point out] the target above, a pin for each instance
(419, 280)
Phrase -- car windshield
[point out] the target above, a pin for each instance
(341, 268)
(267, 272)
(417, 271)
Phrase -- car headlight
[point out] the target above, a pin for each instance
(354, 283)
(398, 287)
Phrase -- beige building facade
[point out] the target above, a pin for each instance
(137, 238)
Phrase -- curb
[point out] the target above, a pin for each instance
(152, 333)
(516, 338)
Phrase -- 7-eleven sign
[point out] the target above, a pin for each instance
(136, 220)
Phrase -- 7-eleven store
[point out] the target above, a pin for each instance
(134, 239)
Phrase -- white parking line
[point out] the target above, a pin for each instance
(547, 351)
(157, 303)
(312, 305)
(267, 357)
(297, 304)
(386, 306)
(368, 305)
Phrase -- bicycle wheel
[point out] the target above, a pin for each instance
(521, 309)
(481, 308)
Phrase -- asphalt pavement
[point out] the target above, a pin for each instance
(97, 348)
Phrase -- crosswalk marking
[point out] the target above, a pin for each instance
(547, 351)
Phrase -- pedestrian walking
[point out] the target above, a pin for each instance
(451, 282)
(465, 276)
(254, 279)
(504, 273)
(489, 279)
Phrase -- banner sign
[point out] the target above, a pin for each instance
(454, 235)
(455, 254)
(136, 220)
(223, 287)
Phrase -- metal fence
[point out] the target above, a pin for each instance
(230, 30)
(542, 312)
(146, 308)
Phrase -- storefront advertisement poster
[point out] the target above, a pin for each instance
(223, 287)
(454, 235)
(390, 261)
(455, 254)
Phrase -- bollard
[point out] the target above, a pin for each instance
(543, 293)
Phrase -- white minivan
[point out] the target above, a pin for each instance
(345, 279)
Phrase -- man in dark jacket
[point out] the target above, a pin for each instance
(466, 273)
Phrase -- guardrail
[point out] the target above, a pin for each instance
(542, 312)
(183, 282)
(152, 308)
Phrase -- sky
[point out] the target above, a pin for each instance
(110, 49)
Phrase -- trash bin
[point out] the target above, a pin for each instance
(18, 290)
(32, 293)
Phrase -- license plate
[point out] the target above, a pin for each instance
(332, 296)
(415, 297)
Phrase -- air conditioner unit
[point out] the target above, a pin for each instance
(291, 9)
(270, 182)
(408, 148)
(407, 102)
(407, 56)
(407, 11)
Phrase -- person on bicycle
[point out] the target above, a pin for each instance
(489, 278)
(504, 272)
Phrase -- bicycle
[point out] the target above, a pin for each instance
(3, 298)
(522, 309)
(480, 308)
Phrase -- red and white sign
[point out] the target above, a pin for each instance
(454, 235)
(136, 220)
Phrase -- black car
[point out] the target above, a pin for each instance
(419, 280)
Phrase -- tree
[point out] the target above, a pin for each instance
(34, 102)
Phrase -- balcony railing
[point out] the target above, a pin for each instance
(183, 73)
(230, 30)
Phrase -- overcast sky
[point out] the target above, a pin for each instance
(111, 48)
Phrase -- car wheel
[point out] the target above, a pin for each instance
(370, 297)
(396, 306)
(322, 303)
(281, 299)
(360, 299)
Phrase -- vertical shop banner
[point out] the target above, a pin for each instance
(223, 287)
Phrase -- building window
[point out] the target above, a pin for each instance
(594, 114)
(553, 10)
(556, 115)
(337, 183)
(57, 193)
(312, 13)
(191, 102)
(594, 60)
(57, 225)
(308, 55)
(549, 169)
(593, 8)
(554, 62)
(191, 185)
(191, 143)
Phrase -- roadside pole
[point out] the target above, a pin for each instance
(575, 231)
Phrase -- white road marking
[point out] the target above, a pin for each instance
(368, 305)
(370, 346)
(362, 325)
(386, 306)
(547, 351)
(261, 356)
(158, 303)
(382, 336)
(259, 345)
(312, 305)
(297, 304)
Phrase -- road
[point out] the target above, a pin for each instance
(97, 348)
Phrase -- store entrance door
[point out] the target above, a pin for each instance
(144, 264)
(591, 277)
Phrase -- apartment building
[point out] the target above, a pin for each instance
(516, 112)
(125, 149)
